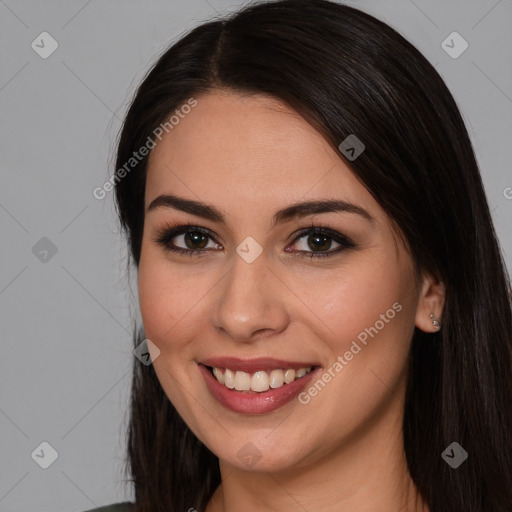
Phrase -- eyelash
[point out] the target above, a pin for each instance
(166, 234)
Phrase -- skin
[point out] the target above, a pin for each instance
(343, 451)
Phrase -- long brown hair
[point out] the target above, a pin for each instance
(346, 72)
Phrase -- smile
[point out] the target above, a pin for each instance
(260, 381)
(255, 386)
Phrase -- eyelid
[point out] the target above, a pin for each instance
(325, 229)
(174, 229)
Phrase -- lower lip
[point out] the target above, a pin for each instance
(254, 403)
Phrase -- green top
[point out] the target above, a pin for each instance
(126, 506)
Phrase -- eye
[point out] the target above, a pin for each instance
(318, 240)
(191, 240)
(197, 241)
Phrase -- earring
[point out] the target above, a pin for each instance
(435, 322)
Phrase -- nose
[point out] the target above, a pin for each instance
(251, 301)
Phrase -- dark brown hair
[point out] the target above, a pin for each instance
(348, 73)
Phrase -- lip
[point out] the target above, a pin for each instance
(254, 365)
(255, 403)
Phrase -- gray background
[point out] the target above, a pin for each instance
(65, 322)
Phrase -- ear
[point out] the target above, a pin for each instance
(430, 302)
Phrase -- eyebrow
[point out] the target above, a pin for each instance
(296, 210)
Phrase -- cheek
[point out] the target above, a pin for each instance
(169, 309)
(370, 310)
(165, 298)
(369, 291)
(175, 304)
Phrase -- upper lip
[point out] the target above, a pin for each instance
(254, 365)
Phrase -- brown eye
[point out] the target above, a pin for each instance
(195, 240)
(191, 240)
(318, 241)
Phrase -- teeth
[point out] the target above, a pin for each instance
(229, 379)
(259, 381)
(242, 381)
(276, 378)
(289, 375)
(218, 375)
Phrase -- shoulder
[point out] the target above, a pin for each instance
(126, 506)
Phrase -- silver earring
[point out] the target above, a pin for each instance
(435, 322)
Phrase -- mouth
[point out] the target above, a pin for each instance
(255, 386)
(259, 381)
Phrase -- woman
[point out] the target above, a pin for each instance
(321, 288)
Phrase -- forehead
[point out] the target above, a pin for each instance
(254, 150)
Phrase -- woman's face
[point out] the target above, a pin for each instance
(268, 297)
